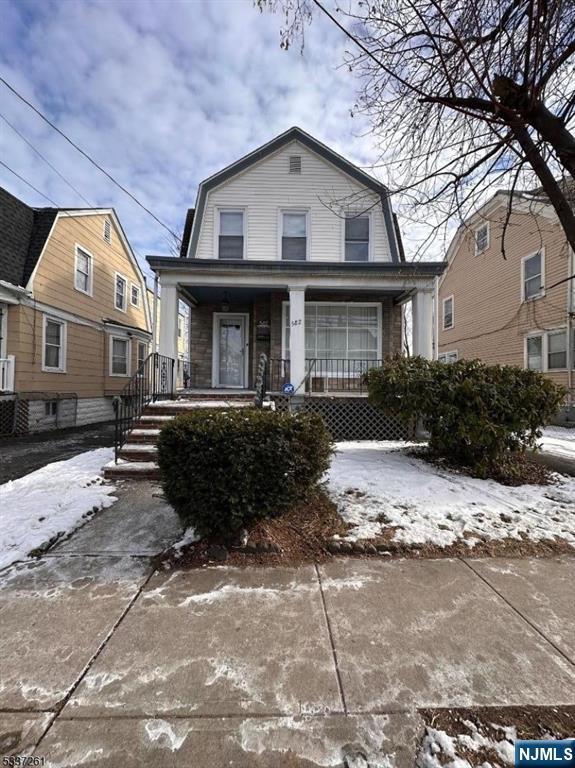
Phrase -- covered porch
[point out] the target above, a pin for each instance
(320, 325)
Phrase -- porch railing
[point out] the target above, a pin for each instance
(323, 375)
(154, 380)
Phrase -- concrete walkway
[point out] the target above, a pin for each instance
(106, 663)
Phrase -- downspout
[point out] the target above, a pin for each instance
(155, 315)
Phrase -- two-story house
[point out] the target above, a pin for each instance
(514, 307)
(294, 252)
(74, 317)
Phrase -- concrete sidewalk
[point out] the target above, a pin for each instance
(105, 663)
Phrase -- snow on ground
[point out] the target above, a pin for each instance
(377, 485)
(439, 750)
(51, 500)
(560, 441)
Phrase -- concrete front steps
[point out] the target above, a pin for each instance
(137, 457)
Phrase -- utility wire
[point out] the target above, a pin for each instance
(87, 156)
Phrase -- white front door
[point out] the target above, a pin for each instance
(230, 351)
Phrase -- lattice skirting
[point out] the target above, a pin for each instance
(351, 418)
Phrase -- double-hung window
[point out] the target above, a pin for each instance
(556, 350)
(135, 295)
(119, 356)
(448, 313)
(54, 352)
(294, 235)
(532, 276)
(120, 295)
(142, 352)
(357, 238)
(482, 238)
(231, 235)
(83, 271)
(534, 352)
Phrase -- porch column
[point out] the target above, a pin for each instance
(422, 321)
(169, 324)
(297, 337)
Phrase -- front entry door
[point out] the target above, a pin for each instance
(230, 351)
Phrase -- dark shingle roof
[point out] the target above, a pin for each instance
(187, 232)
(23, 233)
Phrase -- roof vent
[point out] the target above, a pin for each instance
(295, 164)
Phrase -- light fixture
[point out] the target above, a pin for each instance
(225, 302)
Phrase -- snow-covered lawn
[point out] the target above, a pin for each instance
(439, 750)
(559, 441)
(378, 486)
(50, 501)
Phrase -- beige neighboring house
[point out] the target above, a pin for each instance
(517, 310)
(184, 319)
(74, 316)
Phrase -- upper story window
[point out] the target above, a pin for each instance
(295, 164)
(107, 233)
(83, 271)
(532, 268)
(556, 350)
(135, 295)
(448, 318)
(482, 238)
(54, 351)
(357, 238)
(121, 289)
(534, 352)
(294, 235)
(231, 235)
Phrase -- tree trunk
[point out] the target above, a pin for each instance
(552, 189)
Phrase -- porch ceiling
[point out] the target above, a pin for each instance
(215, 295)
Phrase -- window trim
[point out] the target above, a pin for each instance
(128, 341)
(535, 335)
(63, 344)
(359, 215)
(475, 231)
(377, 304)
(90, 291)
(109, 238)
(448, 352)
(217, 229)
(444, 302)
(137, 304)
(545, 348)
(146, 353)
(294, 209)
(127, 283)
(540, 295)
(556, 332)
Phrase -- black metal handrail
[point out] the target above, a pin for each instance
(154, 380)
(338, 374)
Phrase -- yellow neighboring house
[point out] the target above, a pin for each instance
(184, 321)
(74, 315)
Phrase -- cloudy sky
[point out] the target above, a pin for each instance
(162, 93)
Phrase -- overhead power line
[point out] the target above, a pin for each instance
(87, 156)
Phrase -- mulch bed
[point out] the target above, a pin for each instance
(530, 722)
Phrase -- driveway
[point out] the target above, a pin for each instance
(105, 662)
(21, 455)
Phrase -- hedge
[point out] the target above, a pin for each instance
(223, 470)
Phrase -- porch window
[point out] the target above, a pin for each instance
(294, 236)
(532, 276)
(534, 352)
(339, 331)
(357, 238)
(231, 237)
(556, 350)
(119, 357)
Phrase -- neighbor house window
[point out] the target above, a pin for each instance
(83, 273)
(120, 293)
(135, 295)
(357, 238)
(448, 357)
(481, 238)
(231, 237)
(294, 235)
(119, 357)
(534, 352)
(532, 276)
(142, 353)
(448, 313)
(556, 350)
(54, 355)
(339, 331)
(107, 231)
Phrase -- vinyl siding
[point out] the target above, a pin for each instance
(267, 187)
(491, 320)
